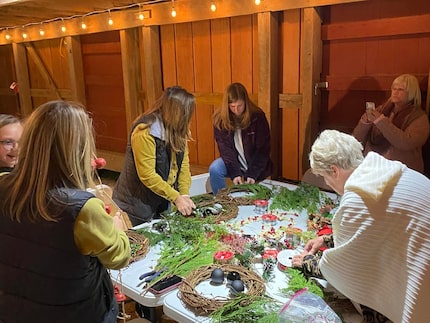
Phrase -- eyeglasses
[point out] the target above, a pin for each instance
(9, 143)
(397, 89)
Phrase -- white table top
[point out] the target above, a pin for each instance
(128, 278)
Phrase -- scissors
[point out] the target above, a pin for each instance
(151, 275)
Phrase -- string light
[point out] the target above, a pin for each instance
(110, 21)
(83, 24)
(173, 9)
(213, 6)
(41, 31)
(63, 26)
(141, 16)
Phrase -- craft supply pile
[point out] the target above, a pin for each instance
(233, 254)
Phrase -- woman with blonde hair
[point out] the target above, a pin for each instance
(399, 128)
(243, 137)
(57, 238)
(156, 169)
(10, 134)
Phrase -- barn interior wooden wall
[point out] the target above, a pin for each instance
(357, 47)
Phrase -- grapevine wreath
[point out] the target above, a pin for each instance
(202, 305)
(139, 245)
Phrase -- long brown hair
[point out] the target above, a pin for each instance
(174, 108)
(224, 119)
(56, 148)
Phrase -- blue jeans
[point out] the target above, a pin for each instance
(217, 175)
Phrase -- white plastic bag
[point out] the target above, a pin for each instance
(306, 307)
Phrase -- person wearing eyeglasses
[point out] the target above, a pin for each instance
(399, 128)
(57, 240)
(10, 133)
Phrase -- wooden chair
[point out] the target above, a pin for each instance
(318, 181)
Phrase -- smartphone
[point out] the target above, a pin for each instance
(370, 105)
(165, 285)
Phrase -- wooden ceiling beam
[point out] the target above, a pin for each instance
(157, 14)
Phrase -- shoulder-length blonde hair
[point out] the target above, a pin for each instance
(412, 88)
(224, 119)
(56, 149)
(174, 108)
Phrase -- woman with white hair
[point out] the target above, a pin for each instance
(380, 257)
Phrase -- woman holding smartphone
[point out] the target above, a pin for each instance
(399, 128)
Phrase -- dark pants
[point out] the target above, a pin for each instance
(110, 316)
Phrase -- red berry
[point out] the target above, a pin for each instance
(100, 162)
(108, 209)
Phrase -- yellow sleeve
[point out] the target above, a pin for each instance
(95, 235)
(143, 146)
(184, 180)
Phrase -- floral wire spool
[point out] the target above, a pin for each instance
(203, 305)
(223, 257)
(261, 206)
(139, 245)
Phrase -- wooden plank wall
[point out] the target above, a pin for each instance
(204, 57)
(365, 48)
(8, 99)
(104, 88)
(366, 45)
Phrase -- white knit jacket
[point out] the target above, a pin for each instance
(381, 232)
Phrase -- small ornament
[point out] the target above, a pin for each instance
(233, 275)
(217, 276)
(237, 286)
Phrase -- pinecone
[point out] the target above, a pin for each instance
(269, 265)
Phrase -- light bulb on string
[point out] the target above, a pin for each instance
(173, 9)
(110, 21)
(7, 36)
(24, 35)
(213, 6)
(41, 31)
(141, 15)
(257, 2)
(83, 24)
(63, 26)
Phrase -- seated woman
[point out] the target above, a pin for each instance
(10, 134)
(399, 128)
(243, 137)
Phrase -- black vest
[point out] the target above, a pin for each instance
(140, 203)
(43, 276)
